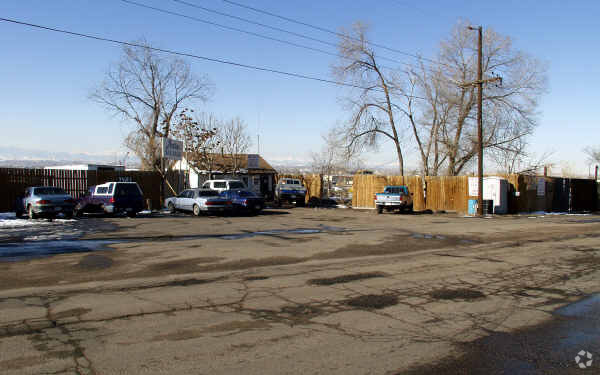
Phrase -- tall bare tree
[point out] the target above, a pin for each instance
(447, 118)
(147, 89)
(235, 142)
(374, 115)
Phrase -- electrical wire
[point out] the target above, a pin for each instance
(274, 28)
(333, 32)
(241, 30)
(190, 55)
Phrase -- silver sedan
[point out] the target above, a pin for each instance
(197, 201)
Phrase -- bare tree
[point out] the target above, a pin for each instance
(235, 142)
(593, 154)
(200, 139)
(330, 158)
(373, 111)
(148, 89)
(448, 116)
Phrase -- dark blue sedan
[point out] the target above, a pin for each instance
(244, 200)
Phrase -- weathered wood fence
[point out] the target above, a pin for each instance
(452, 193)
(13, 182)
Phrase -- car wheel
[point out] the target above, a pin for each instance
(196, 210)
(171, 208)
(68, 215)
(300, 203)
(18, 214)
(379, 209)
(131, 214)
(30, 212)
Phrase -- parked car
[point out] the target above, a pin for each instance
(244, 200)
(44, 201)
(112, 198)
(222, 185)
(394, 198)
(197, 201)
(290, 190)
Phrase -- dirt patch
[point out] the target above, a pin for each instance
(239, 326)
(301, 311)
(184, 265)
(345, 278)
(70, 313)
(249, 263)
(256, 278)
(373, 301)
(95, 262)
(453, 294)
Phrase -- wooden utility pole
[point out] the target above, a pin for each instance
(479, 82)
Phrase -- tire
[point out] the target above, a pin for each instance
(379, 209)
(30, 212)
(300, 203)
(196, 210)
(171, 208)
(131, 214)
(68, 215)
(410, 209)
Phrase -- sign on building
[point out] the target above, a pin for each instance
(171, 148)
(253, 161)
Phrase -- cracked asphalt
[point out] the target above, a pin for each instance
(300, 291)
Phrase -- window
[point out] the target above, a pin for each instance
(206, 185)
(236, 185)
(110, 188)
(101, 189)
(208, 193)
(220, 185)
(127, 189)
(182, 194)
(50, 191)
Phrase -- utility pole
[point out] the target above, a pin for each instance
(479, 82)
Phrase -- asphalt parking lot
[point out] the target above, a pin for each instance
(300, 290)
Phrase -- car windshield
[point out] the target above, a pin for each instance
(127, 189)
(49, 191)
(236, 185)
(396, 190)
(208, 193)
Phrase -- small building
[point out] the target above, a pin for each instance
(252, 169)
(89, 167)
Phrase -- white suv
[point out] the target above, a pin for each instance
(222, 185)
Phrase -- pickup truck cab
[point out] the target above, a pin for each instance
(222, 185)
(394, 198)
(112, 198)
(290, 190)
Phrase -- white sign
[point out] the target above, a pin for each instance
(172, 149)
(253, 161)
(473, 186)
(541, 187)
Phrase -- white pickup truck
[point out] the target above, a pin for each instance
(394, 198)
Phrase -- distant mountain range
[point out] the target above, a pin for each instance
(28, 158)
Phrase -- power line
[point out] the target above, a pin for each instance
(190, 55)
(333, 32)
(240, 30)
(274, 28)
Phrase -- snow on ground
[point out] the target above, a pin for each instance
(9, 220)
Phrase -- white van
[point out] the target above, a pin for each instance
(222, 185)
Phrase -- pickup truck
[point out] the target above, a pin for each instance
(394, 197)
(290, 190)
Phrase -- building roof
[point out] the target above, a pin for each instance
(221, 161)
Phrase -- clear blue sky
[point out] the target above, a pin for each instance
(46, 77)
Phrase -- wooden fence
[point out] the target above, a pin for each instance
(13, 182)
(452, 193)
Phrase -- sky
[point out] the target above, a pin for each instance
(47, 77)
